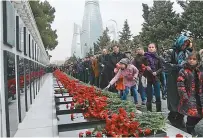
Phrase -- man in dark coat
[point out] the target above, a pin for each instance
(177, 58)
(137, 62)
(115, 57)
(103, 63)
(87, 69)
(80, 69)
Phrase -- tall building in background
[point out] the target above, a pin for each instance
(91, 26)
(113, 30)
(76, 46)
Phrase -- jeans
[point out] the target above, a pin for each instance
(141, 90)
(126, 91)
(156, 86)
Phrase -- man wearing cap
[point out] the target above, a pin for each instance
(129, 56)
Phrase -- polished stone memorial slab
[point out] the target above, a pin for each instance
(62, 109)
(64, 100)
(79, 122)
(61, 95)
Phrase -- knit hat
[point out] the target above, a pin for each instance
(125, 61)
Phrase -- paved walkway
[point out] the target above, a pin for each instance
(40, 120)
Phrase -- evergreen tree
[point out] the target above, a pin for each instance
(125, 37)
(90, 53)
(102, 42)
(136, 41)
(192, 18)
(161, 24)
(44, 16)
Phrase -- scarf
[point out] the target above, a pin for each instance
(151, 57)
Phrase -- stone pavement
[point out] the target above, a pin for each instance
(40, 120)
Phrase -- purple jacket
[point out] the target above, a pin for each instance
(129, 74)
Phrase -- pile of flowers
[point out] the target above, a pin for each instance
(120, 120)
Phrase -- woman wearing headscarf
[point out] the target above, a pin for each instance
(176, 61)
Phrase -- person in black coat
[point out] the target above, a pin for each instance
(137, 62)
(103, 66)
(173, 64)
(114, 58)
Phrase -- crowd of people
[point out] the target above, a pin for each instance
(174, 74)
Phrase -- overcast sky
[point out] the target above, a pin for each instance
(71, 11)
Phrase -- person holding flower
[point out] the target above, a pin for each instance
(152, 73)
(120, 83)
(130, 76)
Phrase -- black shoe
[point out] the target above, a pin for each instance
(176, 121)
(149, 106)
(191, 130)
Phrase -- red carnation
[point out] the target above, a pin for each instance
(179, 136)
(81, 134)
(140, 130)
(132, 115)
(99, 134)
(88, 133)
(147, 131)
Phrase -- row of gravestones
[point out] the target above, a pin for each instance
(71, 127)
(67, 126)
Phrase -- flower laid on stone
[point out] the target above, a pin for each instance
(120, 116)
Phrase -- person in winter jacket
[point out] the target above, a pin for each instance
(114, 58)
(173, 65)
(103, 69)
(137, 62)
(152, 73)
(120, 87)
(130, 76)
(201, 59)
(190, 82)
(163, 78)
(95, 67)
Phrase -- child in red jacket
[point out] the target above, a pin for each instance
(189, 85)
